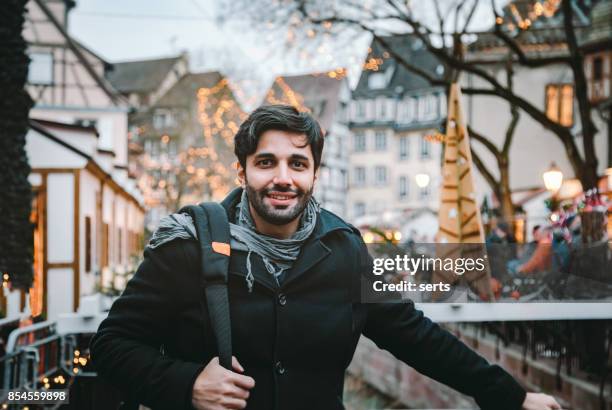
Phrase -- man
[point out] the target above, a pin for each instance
(294, 321)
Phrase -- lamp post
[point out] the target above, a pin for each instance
(553, 179)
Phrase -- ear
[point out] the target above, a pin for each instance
(241, 174)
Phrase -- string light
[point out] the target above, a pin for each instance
(435, 138)
(372, 64)
(546, 8)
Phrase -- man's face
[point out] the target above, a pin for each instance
(279, 176)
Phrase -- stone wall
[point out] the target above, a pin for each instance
(395, 379)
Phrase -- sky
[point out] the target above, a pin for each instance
(142, 29)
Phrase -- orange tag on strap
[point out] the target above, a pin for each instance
(222, 248)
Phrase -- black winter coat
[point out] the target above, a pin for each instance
(295, 340)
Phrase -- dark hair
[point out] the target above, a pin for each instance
(282, 118)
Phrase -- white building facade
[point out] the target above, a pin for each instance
(394, 117)
(87, 213)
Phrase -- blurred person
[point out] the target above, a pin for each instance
(541, 259)
(294, 322)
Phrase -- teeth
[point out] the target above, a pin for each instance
(281, 197)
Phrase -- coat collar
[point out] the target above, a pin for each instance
(314, 250)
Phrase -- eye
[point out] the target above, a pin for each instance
(298, 164)
(264, 162)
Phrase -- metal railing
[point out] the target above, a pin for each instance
(580, 348)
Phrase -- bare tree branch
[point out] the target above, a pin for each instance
(440, 22)
(514, 112)
(487, 175)
(484, 141)
(457, 11)
(577, 63)
(469, 17)
(510, 131)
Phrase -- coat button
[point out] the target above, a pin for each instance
(282, 299)
(279, 368)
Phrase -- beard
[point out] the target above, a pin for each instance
(278, 215)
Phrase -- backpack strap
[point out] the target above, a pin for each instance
(212, 227)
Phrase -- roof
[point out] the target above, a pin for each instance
(402, 80)
(142, 75)
(61, 125)
(318, 92)
(189, 84)
(76, 49)
(591, 22)
(41, 128)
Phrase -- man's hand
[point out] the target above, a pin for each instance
(217, 388)
(539, 401)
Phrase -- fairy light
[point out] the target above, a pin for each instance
(218, 115)
(546, 8)
(435, 138)
(373, 64)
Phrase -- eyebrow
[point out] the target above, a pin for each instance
(269, 155)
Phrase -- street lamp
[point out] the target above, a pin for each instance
(422, 180)
(553, 178)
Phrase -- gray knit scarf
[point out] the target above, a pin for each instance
(278, 255)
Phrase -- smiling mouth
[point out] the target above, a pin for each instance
(280, 197)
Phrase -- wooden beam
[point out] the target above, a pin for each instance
(76, 262)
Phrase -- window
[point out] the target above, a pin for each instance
(87, 244)
(172, 148)
(163, 119)
(403, 187)
(359, 209)
(376, 81)
(599, 83)
(597, 68)
(344, 179)
(40, 70)
(380, 141)
(119, 246)
(359, 141)
(86, 122)
(105, 246)
(425, 148)
(155, 149)
(409, 110)
(404, 148)
(380, 175)
(361, 109)
(424, 192)
(360, 176)
(429, 109)
(560, 103)
(381, 105)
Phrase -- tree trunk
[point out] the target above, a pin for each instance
(16, 193)
(505, 195)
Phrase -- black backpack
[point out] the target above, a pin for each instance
(212, 227)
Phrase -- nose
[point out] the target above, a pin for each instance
(282, 177)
